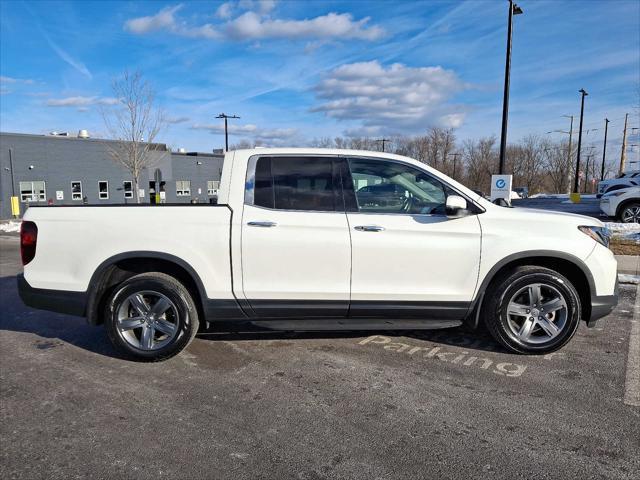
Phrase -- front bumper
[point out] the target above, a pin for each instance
(60, 301)
(601, 306)
(607, 207)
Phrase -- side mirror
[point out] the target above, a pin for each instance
(456, 206)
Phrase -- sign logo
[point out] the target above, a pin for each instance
(500, 183)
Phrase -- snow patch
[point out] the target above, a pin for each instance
(622, 227)
(12, 226)
(629, 279)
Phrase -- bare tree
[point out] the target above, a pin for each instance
(481, 159)
(242, 145)
(134, 123)
(557, 166)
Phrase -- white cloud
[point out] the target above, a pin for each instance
(163, 20)
(66, 57)
(251, 26)
(14, 82)
(257, 24)
(390, 99)
(262, 6)
(225, 10)
(174, 120)
(81, 101)
(6, 80)
(166, 21)
(266, 136)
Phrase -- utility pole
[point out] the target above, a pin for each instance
(226, 132)
(623, 155)
(586, 173)
(383, 141)
(577, 179)
(604, 148)
(570, 140)
(455, 157)
(513, 10)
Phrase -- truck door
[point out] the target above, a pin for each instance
(296, 248)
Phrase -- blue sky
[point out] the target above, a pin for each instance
(296, 70)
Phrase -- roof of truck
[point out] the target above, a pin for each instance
(319, 151)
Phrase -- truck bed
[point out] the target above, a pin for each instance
(75, 241)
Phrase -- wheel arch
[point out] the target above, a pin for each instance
(118, 268)
(623, 204)
(566, 264)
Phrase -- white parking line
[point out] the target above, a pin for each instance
(632, 380)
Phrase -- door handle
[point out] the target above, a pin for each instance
(266, 224)
(369, 228)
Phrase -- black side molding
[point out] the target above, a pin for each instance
(59, 301)
(602, 305)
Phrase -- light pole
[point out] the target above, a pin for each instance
(604, 148)
(383, 141)
(226, 132)
(513, 10)
(13, 182)
(576, 197)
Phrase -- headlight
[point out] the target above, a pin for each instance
(615, 194)
(599, 234)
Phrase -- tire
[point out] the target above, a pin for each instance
(151, 317)
(510, 316)
(629, 213)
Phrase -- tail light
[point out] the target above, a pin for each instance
(28, 240)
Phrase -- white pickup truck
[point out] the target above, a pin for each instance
(315, 239)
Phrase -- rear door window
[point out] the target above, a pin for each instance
(295, 183)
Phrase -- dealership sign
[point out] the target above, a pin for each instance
(500, 187)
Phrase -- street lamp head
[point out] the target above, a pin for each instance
(517, 10)
(583, 92)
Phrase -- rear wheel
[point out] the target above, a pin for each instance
(630, 213)
(532, 310)
(151, 317)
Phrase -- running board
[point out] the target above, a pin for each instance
(355, 324)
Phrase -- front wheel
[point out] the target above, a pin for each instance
(532, 310)
(630, 213)
(151, 317)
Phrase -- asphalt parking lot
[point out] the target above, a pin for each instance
(447, 404)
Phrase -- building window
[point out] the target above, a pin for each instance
(128, 189)
(32, 191)
(183, 188)
(212, 187)
(76, 190)
(103, 190)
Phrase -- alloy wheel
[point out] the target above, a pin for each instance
(537, 313)
(147, 320)
(631, 214)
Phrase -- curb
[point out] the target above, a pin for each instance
(629, 264)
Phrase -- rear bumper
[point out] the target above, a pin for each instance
(601, 306)
(60, 301)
